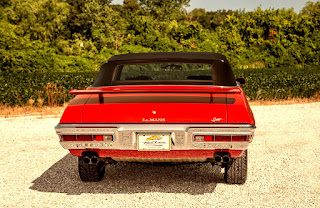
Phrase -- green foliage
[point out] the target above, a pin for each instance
(280, 83)
(20, 87)
(164, 9)
(79, 35)
(262, 84)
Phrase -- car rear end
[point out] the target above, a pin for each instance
(143, 116)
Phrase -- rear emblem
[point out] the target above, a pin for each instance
(215, 119)
(154, 112)
(153, 119)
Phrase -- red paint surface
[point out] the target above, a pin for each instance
(240, 111)
(157, 154)
(204, 112)
(165, 112)
(72, 114)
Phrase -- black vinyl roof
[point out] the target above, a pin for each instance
(222, 72)
(205, 56)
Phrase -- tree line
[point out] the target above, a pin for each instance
(79, 35)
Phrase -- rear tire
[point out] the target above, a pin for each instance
(236, 171)
(91, 172)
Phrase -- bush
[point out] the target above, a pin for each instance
(18, 88)
(280, 83)
(52, 88)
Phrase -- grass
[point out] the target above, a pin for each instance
(289, 101)
(18, 111)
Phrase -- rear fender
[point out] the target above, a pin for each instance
(73, 112)
(239, 111)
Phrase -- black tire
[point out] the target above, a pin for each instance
(236, 171)
(90, 172)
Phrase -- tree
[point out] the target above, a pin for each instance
(131, 5)
(92, 20)
(164, 9)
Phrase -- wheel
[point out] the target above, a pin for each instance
(236, 171)
(90, 172)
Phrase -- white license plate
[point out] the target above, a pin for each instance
(151, 142)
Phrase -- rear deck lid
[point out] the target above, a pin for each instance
(156, 107)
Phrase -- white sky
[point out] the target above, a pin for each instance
(248, 5)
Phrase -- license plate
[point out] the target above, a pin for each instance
(152, 142)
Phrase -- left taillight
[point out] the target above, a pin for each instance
(86, 137)
(68, 137)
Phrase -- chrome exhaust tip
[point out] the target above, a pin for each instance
(218, 159)
(226, 159)
(94, 160)
(86, 160)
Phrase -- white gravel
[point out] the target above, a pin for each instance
(284, 169)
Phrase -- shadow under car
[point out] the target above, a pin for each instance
(123, 177)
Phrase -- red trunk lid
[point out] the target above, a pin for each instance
(156, 107)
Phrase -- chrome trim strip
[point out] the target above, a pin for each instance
(86, 144)
(225, 132)
(79, 131)
(194, 146)
(149, 127)
(124, 135)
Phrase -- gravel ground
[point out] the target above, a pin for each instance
(284, 169)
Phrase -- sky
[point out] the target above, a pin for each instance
(248, 5)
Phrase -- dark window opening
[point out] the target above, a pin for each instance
(157, 72)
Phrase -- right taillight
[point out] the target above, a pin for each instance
(239, 138)
(221, 138)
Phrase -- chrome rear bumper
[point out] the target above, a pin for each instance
(125, 135)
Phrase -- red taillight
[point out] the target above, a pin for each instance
(98, 137)
(84, 138)
(208, 138)
(222, 139)
(68, 137)
(202, 138)
(239, 138)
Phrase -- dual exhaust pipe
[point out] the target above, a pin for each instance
(222, 158)
(91, 160)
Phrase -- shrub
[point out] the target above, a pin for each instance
(41, 86)
(52, 88)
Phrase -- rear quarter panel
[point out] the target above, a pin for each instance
(240, 111)
(73, 112)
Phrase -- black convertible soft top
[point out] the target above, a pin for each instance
(222, 72)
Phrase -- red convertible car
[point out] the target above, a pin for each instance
(160, 107)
